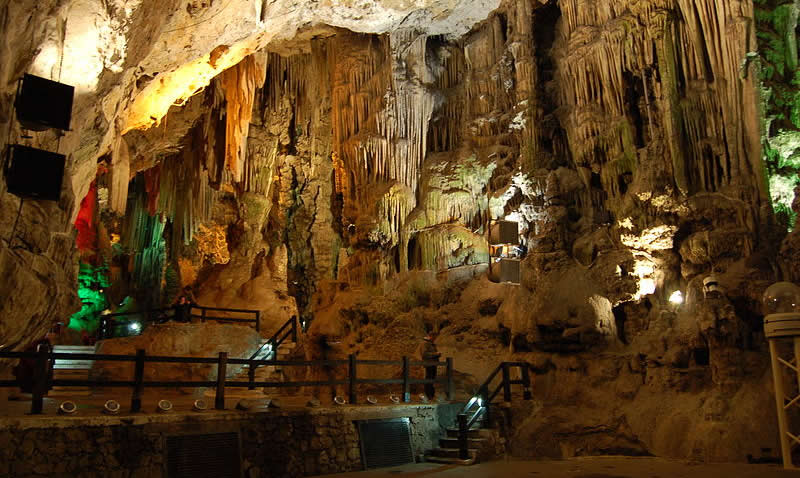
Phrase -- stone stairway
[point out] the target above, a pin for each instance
(482, 443)
(67, 369)
(264, 373)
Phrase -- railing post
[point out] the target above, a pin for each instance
(294, 328)
(506, 383)
(449, 384)
(352, 377)
(463, 435)
(251, 375)
(203, 316)
(40, 374)
(526, 382)
(406, 381)
(222, 363)
(138, 378)
(258, 321)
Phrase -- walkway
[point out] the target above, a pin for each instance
(592, 467)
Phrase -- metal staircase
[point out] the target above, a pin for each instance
(263, 373)
(279, 347)
(67, 369)
(471, 440)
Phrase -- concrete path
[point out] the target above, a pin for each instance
(592, 467)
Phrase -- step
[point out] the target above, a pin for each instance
(68, 391)
(73, 364)
(450, 452)
(71, 373)
(81, 364)
(473, 443)
(74, 349)
(448, 456)
(473, 432)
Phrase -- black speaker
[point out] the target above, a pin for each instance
(34, 173)
(43, 103)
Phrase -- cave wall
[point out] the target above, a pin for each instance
(342, 164)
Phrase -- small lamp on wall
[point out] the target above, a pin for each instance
(67, 408)
(164, 406)
(111, 407)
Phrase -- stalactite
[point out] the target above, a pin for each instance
(448, 246)
(212, 132)
(143, 235)
(699, 93)
(120, 175)
(240, 83)
(185, 196)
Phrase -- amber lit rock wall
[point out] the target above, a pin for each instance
(342, 163)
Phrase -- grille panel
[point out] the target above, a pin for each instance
(385, 442)
(213, 455)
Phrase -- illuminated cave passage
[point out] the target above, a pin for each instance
(597, 194)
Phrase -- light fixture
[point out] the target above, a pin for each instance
(111, 407)
(782, 298)
(67, 408)
(200, 405)
(676, 298)
(135, 327)
(372, 400)
(339, 400)
(711, 286)
(164, 406)
(250, 405)
(394, 398)
(480, 402)
(423, 398)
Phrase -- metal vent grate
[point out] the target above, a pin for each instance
(213, 455)
(385, 442)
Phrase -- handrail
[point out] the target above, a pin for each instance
(106, 321)
(273, 343)
(45, 358)
(484, 399)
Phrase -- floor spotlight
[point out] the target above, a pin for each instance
(394, 398)
(199, 405)
(254, 405)
(111, 407)
(164, 406)
(423, 398)
(339, 400)
(372, 400)
(67, 408)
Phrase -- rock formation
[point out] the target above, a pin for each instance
(343, 161)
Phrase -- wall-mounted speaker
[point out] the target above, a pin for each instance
(43, 103)
(34, 173)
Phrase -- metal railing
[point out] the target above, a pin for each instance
(288, 329)
(42, 379)
(479, 404)
(178, 312)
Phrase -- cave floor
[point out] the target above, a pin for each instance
(584, 467)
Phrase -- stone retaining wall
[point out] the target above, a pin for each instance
(273, 443)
